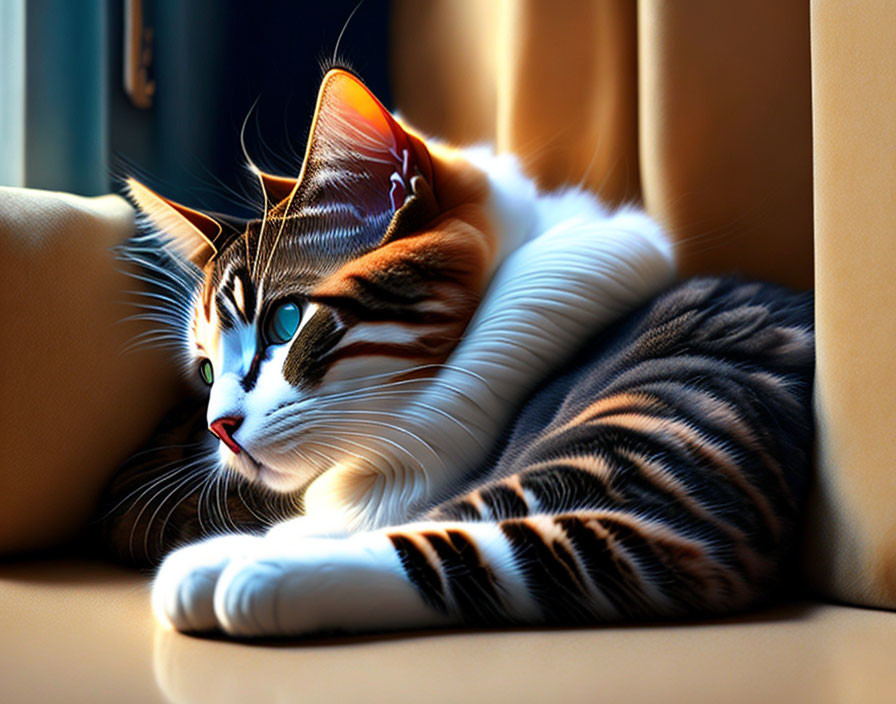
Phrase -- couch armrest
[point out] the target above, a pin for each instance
(73, 403)
(853, 531)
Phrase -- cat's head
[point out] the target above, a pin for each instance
(312, 324)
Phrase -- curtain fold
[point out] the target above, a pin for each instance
(726, 133)
(705, 110)
(702, 106)
(567, 101)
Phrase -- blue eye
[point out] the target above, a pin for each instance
(283, 322)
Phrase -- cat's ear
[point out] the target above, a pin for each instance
(193, 236)
(360, 158)
(276, 188)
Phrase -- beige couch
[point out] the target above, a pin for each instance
(73, 405)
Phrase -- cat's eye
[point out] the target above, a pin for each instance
(283, 321)
(206, 371)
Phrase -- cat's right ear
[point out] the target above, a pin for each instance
(191, 235)
(276, 188)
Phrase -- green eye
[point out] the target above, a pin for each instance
(206, 372)
(283, 322)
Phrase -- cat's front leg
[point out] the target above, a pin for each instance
(184, 588)
(414, 576)
(319, 585)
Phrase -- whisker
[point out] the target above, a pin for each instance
(174, 507)
(143, 489)
(385, 458)
(390, 426)
(193, 475)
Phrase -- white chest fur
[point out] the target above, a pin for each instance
(567, 269)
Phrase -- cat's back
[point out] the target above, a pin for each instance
(691, 416)
(703, 347)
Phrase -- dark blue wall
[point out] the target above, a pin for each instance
(212, 60)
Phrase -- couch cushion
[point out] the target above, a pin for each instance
(73, 403)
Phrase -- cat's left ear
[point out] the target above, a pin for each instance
(193, 236)
(360, 158)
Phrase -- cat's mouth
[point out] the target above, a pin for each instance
(258, 472)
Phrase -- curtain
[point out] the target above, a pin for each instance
(704, 110)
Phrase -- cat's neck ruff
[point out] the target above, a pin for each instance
(565, 267)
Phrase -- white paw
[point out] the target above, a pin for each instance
(246, 601)
(253, 586)
(184, 587)
(320, 585)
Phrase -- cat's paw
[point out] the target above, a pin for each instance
(320, 585)
(184, 587)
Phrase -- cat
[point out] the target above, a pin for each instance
(459, 400)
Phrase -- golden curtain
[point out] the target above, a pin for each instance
(701, 108)
(704, 111)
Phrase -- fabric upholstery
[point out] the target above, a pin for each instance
(853, 530)
(73, 403)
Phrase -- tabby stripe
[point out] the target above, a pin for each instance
(391, 332)
(625, 402)
(565, 484)
(687, 574)
(420, 571)
(476, 501)
(556, 583)
(700, 371)
(356, 309)
(457, 509)
(240, 291)
(701, 445)
(391, 296)
(226, 318)
(527, 497)
(380, 349)
(504, 501)
(723, 497)
(710, 375)
(640, 481)
(471, 582)
(306, 363)
(738, 388)
(726, 421)
(607, 564)
(661, 477)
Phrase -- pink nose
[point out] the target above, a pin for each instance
(224, 428)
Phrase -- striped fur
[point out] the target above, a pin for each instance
(667, 471)
(494, 408)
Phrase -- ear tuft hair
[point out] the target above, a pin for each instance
(191, 235)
